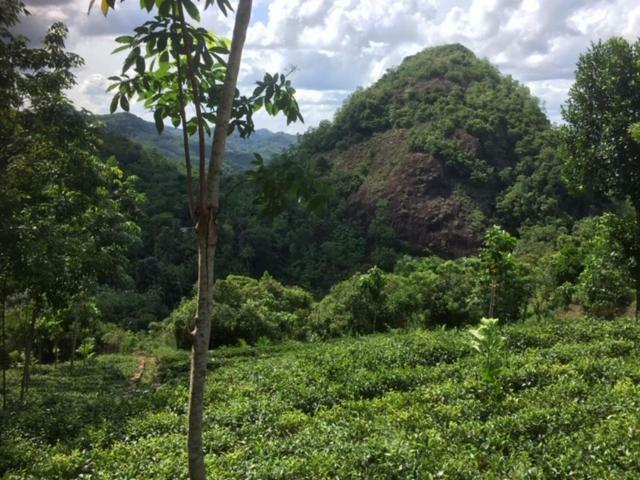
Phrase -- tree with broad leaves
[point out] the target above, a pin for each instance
(64, 224)
(500, 283)
(174, 67)
(601, 135)
(371, 288)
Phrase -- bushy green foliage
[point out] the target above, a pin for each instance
(86, 349)
(589, 266)
(357, 305)
(399, 405)
(501, 280)
(114, 339)
(426, 292)
(248, 309)
(444, 289)
(604, 284)
(488, 343)
(545, 271)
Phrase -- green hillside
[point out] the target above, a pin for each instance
(447, 145)
(438, 283)
(406, 405)
(239, 153)
(421, 162)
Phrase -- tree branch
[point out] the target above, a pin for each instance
(185, 141)
(228, 193)
(221, 131)
(196, 102)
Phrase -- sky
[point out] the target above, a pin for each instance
(339, 45)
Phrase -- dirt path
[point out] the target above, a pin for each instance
(144, 362)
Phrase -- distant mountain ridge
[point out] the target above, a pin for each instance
(239, 151)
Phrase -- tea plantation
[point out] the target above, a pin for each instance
(401, 405)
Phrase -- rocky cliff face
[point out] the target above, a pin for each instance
(426, 208)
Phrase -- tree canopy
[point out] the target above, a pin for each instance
(602, 114)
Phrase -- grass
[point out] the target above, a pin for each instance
(399, 405)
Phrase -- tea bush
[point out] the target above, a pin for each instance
(405, 404)
(247, 309)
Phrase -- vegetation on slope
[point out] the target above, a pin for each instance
(383, 182)
(422, 162)
(448, 146)
(399, 405)
(543, 272)
(162, 267)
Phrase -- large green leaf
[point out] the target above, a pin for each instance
(114, 103)
(192, 9)
(124, 103)
(157, 117)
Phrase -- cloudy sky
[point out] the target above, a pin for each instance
(341, 44)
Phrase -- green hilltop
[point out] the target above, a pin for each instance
(447, 145)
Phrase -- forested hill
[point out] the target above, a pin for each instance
(421, 162)
(169, 145)
(441, 147)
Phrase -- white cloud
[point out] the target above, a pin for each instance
(552, 93)
(338, 45)
(95, 84)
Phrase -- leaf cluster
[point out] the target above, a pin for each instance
(171, 64)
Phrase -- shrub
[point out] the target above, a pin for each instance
(487, 341)
(343, 311)
(86, 349)
(365, 303)
(604, 284)
(114, 339)
(501, 288)
(447, 296)
(248, 309)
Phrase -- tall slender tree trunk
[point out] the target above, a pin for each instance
(74, 341)
(26, 372)
(200, 348)
(206, 229)
(492, 299)
(3, 302)
(636, 254)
